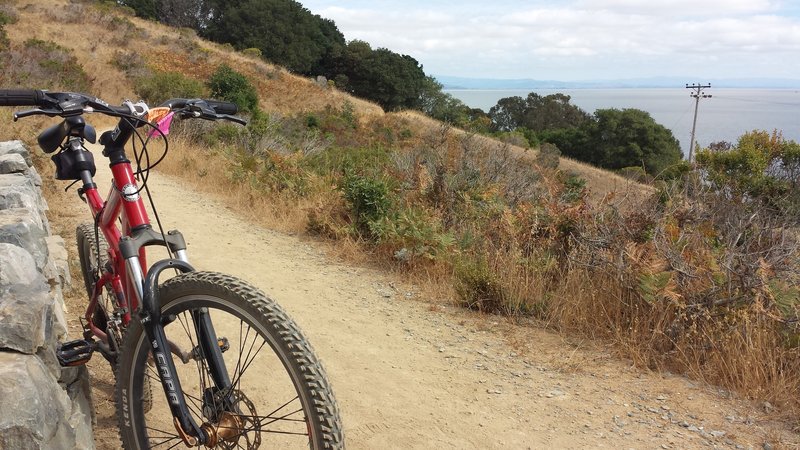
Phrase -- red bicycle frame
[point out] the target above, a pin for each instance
(131, 210)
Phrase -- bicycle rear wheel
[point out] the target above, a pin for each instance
(279, 396)
(93, 255)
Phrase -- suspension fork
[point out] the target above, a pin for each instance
(153, 324)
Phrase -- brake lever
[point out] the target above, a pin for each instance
(36, 112)
(231, 118)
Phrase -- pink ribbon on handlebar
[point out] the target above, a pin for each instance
(162, 125)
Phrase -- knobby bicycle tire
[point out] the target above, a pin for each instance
(269, 413)
(87, 253)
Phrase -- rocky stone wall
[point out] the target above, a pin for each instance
(42, 406)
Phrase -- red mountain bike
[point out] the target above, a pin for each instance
(235, 370)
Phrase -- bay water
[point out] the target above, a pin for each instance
(725, 116)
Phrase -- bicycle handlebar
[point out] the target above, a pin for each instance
(67, 104)
(21, 97)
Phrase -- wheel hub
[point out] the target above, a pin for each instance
(234, 426)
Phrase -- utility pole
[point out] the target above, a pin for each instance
(697, 94)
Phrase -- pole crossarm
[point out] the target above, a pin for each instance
(697, 93)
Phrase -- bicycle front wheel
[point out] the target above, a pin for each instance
(279, 395)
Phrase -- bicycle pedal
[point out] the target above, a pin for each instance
(75, 353)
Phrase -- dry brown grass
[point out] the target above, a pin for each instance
(748, 357)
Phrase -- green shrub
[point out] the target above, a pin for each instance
(413, 232)
(574, 188)
(368, 199)
(161, 86)
(130, 62)
(369, 161)
(230, 85)
(478, 287)
(549, 156)
(762, 167)
(226, 133)
(7, 16)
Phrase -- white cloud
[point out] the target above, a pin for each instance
(594, 37)
(681, 7)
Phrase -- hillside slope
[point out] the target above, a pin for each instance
(97, 38)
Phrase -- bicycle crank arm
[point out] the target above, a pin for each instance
(150, 316)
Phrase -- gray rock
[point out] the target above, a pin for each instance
(18, 197)
(76, 382)
(16, 147)
(37, 411)
(12, 163)
(57, 250)
(16, 266)
(555, 393)
(25, 229)
(36, 179)
(41, 405)
(17, 182)
(26, 317)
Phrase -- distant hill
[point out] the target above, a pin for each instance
(451, 82)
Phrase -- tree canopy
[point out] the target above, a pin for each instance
(614, 139)
(536, 113)
(284, 31)
(392, 80)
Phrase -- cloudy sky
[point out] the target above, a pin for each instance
(573, 40)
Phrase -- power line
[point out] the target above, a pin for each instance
(697, 94)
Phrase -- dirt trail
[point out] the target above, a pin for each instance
(410, 374)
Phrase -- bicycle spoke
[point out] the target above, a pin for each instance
(166, 439)
(168, 433)
(247, 362)
(283, 406)
(242, 343)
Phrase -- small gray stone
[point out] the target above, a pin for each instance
(12, 163)
(555, 393)
(717, 434)
(16, 147)
(36, 179)
(767, 446)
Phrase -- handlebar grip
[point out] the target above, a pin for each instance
(21, 97)
(223, 107)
